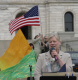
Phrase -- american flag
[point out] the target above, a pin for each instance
(31, 18)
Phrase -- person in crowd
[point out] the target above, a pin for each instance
(36, 55)
(52, 61)
(45, 44)
(31, 44)
(37, 43)
(36, 36)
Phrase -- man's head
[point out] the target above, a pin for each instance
(46, 38)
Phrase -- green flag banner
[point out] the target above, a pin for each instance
(21, 70)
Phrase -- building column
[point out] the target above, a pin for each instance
(47, 17)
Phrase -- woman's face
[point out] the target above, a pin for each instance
(54, 42)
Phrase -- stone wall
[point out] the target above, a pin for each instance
(51, 17)
(4, 45)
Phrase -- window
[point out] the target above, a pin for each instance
(68, 22)
(27, 30)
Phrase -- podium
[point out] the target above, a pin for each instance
(59, 76)
(56, 76)
(30, 78)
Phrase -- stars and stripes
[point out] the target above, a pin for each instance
(31, 18)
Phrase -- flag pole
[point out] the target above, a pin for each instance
(40, 20)
(30, 72)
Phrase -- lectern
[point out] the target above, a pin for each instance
(59, 76)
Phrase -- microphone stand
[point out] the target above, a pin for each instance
(30, 72)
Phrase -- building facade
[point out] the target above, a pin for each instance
(55, 16)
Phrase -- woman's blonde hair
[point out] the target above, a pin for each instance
(56, 35)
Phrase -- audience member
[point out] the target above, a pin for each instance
(45, 44)
(37, 44)
(36, 55)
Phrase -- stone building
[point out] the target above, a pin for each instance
(55, 15)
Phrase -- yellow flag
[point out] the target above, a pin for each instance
(19, 47)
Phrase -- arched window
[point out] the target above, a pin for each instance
(27, 31)
(68, 22)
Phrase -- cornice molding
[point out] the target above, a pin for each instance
(22, 2)
(63, 1)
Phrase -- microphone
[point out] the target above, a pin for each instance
(30, 67)
(55, 58)
(52, 49)
(54, 55)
